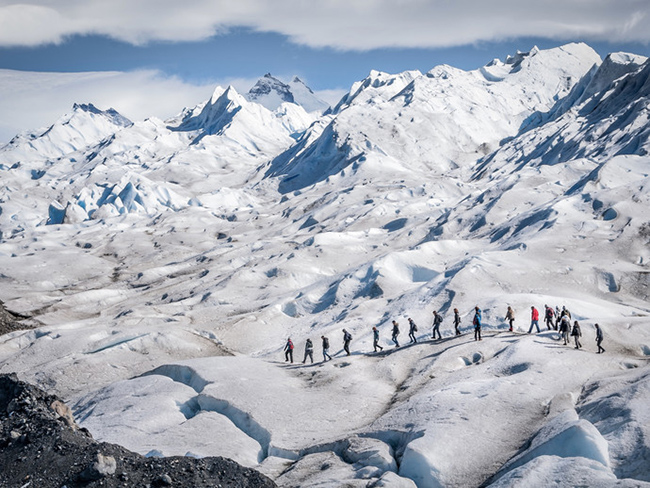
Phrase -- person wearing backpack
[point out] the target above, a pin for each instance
(412, 330)
(599, 338)
(437, 320)
(548, 316)
(347, 338)
(395, 333)
(534, 320)
(477, 323)
(309, 351)
(288, 350)
(510, 317)
(375, 339)
(457, 321)
(565, 325)
(326, 348)
(577, 333)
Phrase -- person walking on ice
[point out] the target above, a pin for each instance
(599, 338)
(288, 350)
(534, 320)
(510, 317)
(412, 330)
(326, 348)
(565, 325)
(477, 323)
(375, 339)
(437, 320)
(457, 321)
(577, 333)
(395, 333)
(548, 317)
(347, 338)
(309, 351)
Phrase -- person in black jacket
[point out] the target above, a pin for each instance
(510, 317)
(347, 338)
(288, 350)
(437, 320)
(326, 348)
(599, 338)
(457, 321)
(577, 333)
(395, 333)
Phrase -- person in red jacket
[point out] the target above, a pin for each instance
(534, 320)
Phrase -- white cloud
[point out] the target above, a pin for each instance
(31, 100)
(344, 24)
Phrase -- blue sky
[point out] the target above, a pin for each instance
(153, 57)
(245, 54)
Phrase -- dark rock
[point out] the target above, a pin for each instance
(38, 443)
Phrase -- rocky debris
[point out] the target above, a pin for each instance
(41, 446)
(9, 321)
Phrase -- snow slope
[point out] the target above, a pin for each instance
(166, 263)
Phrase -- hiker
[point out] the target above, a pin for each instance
(534, 319)
(548, 317)
(577, 333)
(288, 350)
(326, 348)
(477, 323)
(347, 337)
(375, 339)
(412, 330)
(510, 317)
(437, 320)
(558, 317)
(565, 325)
(599, 338)
(309, 351)
(395, 333)
(457, 321)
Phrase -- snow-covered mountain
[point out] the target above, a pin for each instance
(182, 254)
(271, 93)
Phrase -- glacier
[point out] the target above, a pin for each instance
(164, 264)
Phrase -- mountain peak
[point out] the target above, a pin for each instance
(271, 92)
(111, 114)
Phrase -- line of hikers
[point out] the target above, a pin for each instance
(559, 320)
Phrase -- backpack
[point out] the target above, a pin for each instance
(309, 344)
(326, 343)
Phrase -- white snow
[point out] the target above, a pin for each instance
(165, 264)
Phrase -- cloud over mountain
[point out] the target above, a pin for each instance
(355, 24)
